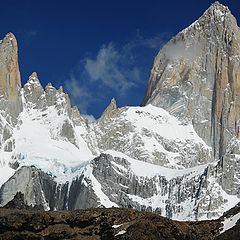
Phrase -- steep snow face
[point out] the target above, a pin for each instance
(35, 145)
(39, 142)
(145, 133)
(47, 134)
(151, 134)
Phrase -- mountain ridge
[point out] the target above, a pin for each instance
(177, 156)
(112, 223)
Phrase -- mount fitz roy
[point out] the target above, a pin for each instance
(178, 154)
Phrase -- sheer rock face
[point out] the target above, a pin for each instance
(10, 83)
(10, 90)
(190, 195)
(196, 77)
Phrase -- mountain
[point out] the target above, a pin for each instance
(177, 155)
(196, 78)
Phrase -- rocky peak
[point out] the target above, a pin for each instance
(49, 86)
(10, 41)
(60, 90)
(216, 14)
(77, 118)
(196, 77)
(33, 76)
(218, 8)
(51, 93)
(217, 24)
(34, 92)
(109, 111)
(10, 83)
(33, 79)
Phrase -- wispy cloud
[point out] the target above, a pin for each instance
(111, 69)
(114, 70)
(180, 50)
(154, 42)
(80, 95)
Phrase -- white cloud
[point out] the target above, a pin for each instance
(80, 95)
(110, 68)
(154, 42)
(113, 72)
(117, 68)
(179, 50)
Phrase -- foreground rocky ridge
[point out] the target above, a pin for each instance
(112, 223)
(182, 162)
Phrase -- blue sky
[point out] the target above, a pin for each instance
(95, 49)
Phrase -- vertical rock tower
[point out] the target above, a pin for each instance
(196, 77)
(10, 83)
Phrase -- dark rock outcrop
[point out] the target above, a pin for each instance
(104, 224)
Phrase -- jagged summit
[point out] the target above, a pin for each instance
(195, 77)
(217, 6)
(33, 76)
(109, 110)
(216, 15)
(10, 35)
(10, 38)
(33, 79)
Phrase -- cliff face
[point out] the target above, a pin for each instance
(115, 180)
(196, 77)
(10, 83)
(10, 91)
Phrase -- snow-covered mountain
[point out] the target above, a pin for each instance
(177, 155)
